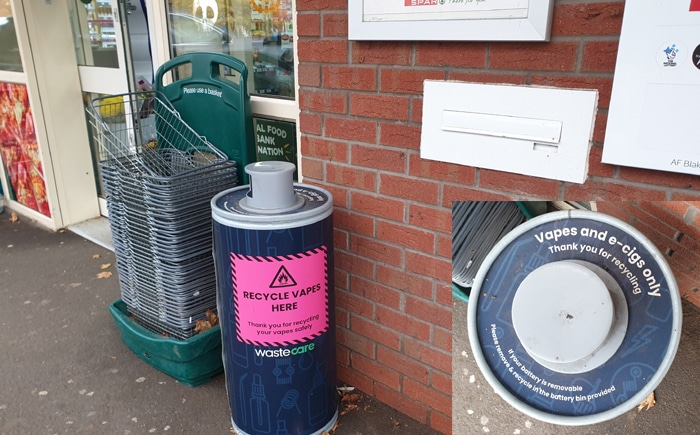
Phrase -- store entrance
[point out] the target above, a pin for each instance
(111, 42)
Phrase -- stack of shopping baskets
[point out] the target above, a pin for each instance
(158, 177)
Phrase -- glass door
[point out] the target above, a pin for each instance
(112, 49)
(99, 48)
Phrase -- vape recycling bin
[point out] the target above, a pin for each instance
(273, 248)
(574, 317)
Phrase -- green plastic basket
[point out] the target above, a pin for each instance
(192, 362)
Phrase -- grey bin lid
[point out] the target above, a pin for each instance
(574, 317)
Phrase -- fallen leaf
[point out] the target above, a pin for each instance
(104, 275)
(201, 325)
(96, 256)
(212, 317)
(105, 266)
(649, 403)
(13, 217)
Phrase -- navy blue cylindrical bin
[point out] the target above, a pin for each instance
(273, 249)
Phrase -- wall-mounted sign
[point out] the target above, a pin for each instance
(275, 140)
(450, 20)
(653, 114)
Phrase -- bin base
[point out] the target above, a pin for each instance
(191, 362)
(325, 429)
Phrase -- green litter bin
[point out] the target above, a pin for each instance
(210, 92)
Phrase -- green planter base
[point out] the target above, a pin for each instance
(191, 362)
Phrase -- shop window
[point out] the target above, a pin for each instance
(258, 32)
(10, 59)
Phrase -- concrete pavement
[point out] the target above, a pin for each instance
(66, 370)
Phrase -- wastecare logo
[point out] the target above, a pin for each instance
(284, 352)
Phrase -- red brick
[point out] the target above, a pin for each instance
(417, 111)
(324, 101)
(442, 171)
(406, 81)
(385, 107)
(599, 56)
(376, 371)
(438, 268)
(429, 311)
(678, 208)
(444, 246)
(402, 364)
(441, 422)
(349, 77)
(309, 74)
(340, 193)
(436, 400)
(342, 277)
(409, 237)
(441, 382)
(378, 206)
(431, 218)
(354, 264)
(587, 19)
(376, 293)
(607, 190)
(520, 184)
(601, 123)
(350, 376)
(403, 323)
(342, 317)
(334, 24)
(434, 358)
(595, 165)
(659, 178)
(322, 50)
(411, 407)
(385, 159)
(487, 77)
(456, 54)
(312, 168)
(310, 123)
(409, 188)
(442, 339)
(351, 177)
(444, 294)
(687, 195)
(543, 56)
(399, 135)
(381, 53)
(353, 222)
(351, 129)
(375, 332)
(407, 282)
(376, 250)
(308, 25)
(355, 304)
(356, 343)
(324, 149)
(320, 5)
(342, 355)
(451, 193)
(602, 84)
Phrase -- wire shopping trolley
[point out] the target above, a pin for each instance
(158, 177)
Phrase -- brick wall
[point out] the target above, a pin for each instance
(360, 128)
(674, 228)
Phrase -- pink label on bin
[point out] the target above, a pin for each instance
(281, 300)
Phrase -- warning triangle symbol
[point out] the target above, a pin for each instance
(282, 279)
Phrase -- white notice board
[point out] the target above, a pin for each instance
(449, 20)
(654, 120)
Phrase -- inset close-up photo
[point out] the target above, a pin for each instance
(574, 317)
